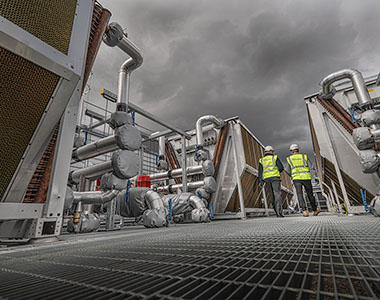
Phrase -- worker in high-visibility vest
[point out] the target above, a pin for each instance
(299, 168)
(270, 168)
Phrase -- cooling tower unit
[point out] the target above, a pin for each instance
(43, 49)
(235, 153)
(332, 123)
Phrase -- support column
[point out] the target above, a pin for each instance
(336, 165)
(184, 165)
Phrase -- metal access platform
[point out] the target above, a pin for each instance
(324, 257)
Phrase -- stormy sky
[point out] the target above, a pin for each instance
(255, 59)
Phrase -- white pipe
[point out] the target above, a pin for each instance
(357, 80)
(203, 120)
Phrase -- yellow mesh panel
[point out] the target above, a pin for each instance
(49, 20)
(25, 91)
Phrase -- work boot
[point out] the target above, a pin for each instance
(316, 212)
(305, 213)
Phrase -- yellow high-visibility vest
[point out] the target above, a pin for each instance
(300, 169)
(269, 166)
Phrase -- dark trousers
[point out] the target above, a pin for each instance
(274, 187)
(309, 191)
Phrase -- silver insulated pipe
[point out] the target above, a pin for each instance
(94, 197)
(175, 173)
(115, 36)
(99, 147)
(91, 171)
(190, 186)
(357, 80)
(219, 123)
(161, 147)
(153, 200)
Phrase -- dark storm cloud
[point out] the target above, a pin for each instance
(254, 59)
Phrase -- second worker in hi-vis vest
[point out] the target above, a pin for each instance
(270, 168)
(298, 167)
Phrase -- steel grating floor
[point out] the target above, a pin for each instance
(324, 257)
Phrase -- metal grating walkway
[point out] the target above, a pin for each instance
(324, 257)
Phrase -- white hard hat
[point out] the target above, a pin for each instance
(268, 148)
(293, 147)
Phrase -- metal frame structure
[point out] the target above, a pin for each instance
(232, 182)
(70, 68)
(95, 169)
(334, 146)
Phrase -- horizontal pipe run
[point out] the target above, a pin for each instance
(175, 173)
(92, 171)
(190, 186)
(99, 147)
(95, 197)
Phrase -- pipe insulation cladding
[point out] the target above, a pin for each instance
(126, 137)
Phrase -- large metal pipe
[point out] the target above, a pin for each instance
(190, 186)
(219, 123)
(99, 147)
(153, 200)
(92, 171)
(357, 80)
(115, 36)
(175, 173)
(95, 197)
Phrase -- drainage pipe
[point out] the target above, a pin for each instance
(358, 84)
(115, 36)
(92, 171)
(95, 197)
(219, 123)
